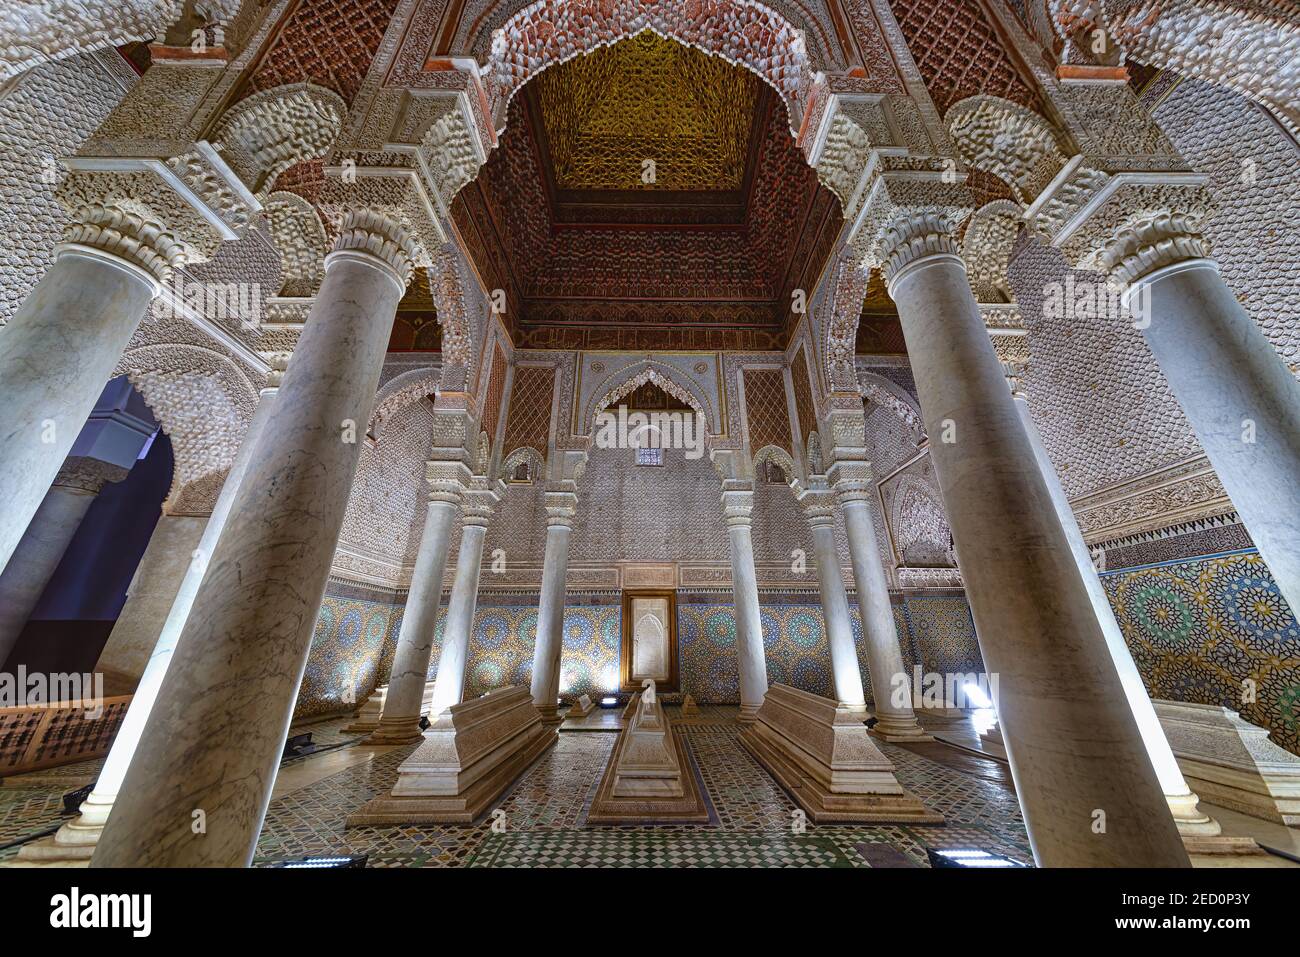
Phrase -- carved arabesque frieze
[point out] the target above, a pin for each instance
(1186, 492)
(36, 31)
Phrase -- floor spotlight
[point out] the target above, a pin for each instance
(968, 857)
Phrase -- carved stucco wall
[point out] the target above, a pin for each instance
(1105, 411)
(1254, 170)
(44, 116)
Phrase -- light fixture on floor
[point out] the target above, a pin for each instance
(319, 863)
(608, 702)
(968, 857)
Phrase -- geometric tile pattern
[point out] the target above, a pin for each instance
(958, 52)
(504, 637)
(1214, 630)
(935, 632)
(544, 813)
(354, 639)
(346, 649)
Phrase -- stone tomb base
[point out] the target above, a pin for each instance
(825, 758)
(469, 757)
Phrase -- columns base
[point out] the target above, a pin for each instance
(551, 717)
(1231, 762)
(393, 729)
(469, 758)
(366, 718)
(896, 730)
(73, 843)
(991, 742)
(823, 757)
(748, 714)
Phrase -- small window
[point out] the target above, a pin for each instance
(521, 473)
(649, 456)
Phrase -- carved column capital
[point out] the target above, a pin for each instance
(138, 240)
(1139, 248)
(561, 504)
(448, 480)
(478, 505)
(383, 237)
(86, 474)
(818, 504)
(852, 480)
(913, 236)
(737, 504)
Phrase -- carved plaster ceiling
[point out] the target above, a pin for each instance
(648, 99)
(589, 256)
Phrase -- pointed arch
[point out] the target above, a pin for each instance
(628, 379)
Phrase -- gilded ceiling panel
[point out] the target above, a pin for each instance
(647, 98)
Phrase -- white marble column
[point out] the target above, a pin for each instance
(1191, 821)
(1086, 786)
(819, 509)
(198, 786)
(561, 507)
(140, 648)
(1240, 398)
(56, 354)
(895, 719)
(400, 721)
(42, 546)
(449, 685)
(737, 515)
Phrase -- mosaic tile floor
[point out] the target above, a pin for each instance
(544, 815)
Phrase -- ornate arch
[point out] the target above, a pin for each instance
(838, 314)
(263, 135)
(203, 400)
(299, 236)
(630, 378)
(986, 249)
(744, 32)
(778, 456)
(525, 454)
(881, 391)
(1004, 138)
(401, 391)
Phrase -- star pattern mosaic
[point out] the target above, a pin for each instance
(1214, 630)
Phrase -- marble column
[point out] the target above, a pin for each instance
(400, 721)
(1191, 821)
(737, 515)
(895, 719)
(198, 786)
(819, 509)
(56, 353)
(142, 643)
(42, 546)
(1089, 795)
(449, 685)
(1239, 397)
(561, 506)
